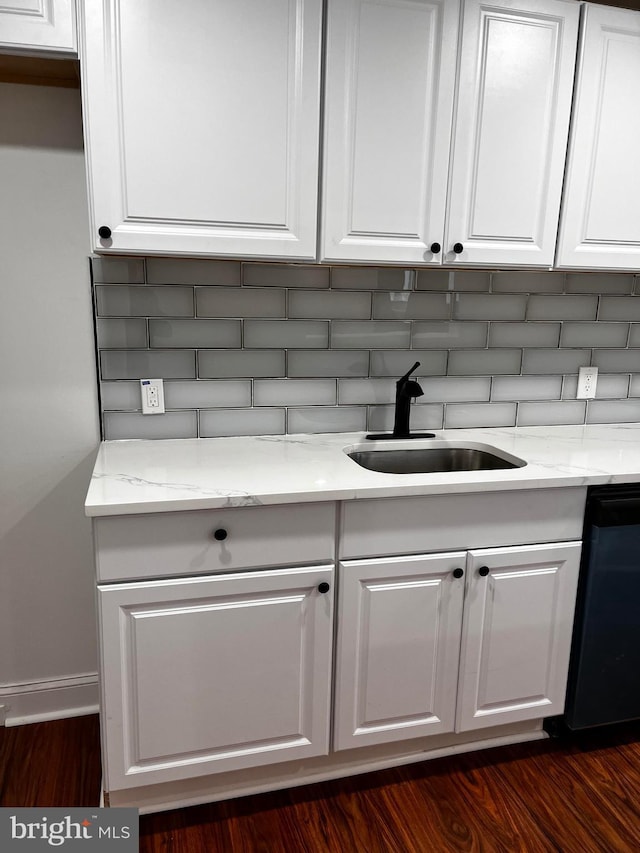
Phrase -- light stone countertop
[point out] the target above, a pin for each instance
(137, 476)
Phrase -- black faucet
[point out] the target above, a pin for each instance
(406, 389)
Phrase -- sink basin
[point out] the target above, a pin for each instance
(434, 459)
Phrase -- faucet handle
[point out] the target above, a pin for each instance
(409, 372)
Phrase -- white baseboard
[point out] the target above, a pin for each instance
(37, 701)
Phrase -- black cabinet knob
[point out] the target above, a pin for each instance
(323, 587)
(104, 231)
(458, 248)
(435, 248)
(457, 573)
(220, 534)
(483, 571)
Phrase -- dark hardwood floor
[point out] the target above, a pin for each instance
(576, 796)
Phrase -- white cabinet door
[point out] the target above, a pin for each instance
(205, 675)
(601, 212)
(516, 634)
(45, 27)
(389, 99)
(202, 125)
(398, 648)
(514, 100)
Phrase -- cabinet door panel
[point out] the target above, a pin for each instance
(214, 674)
(600, 216)
(516, 634)
(389, 98)
(38, 26)
(398, 647)
(202, 125)
(514, 101)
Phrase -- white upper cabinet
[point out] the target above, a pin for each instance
(389, 100)
(45, 27)
(601, 208)
(202, 125)
(390, 147)
(515, 84)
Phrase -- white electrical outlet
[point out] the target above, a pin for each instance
(152, 393)
(587, 380)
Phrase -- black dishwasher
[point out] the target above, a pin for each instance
(604, 673)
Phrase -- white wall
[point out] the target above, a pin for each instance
(48, 410)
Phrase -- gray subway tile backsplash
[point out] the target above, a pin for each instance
(551, 414)
(197, 334)
(193, 271)
(123, 301)
(619, 308)
(464, 415)
(556, 362)
(122, 333)
(137, 364)
(314, 304)
(486, 362)
(524, 334)
(251, 348)
(485, 306)
(241, 302)
(118, 270)
(454, 280)
(207, 394)
(617, 360)
(316, 363)
(517, 281)
(327, 419)
(221, 364)
(562, 307)
(285, 275)
(411, 306)
(396, 362)
(278, 334)
(371, 278)
(444, 335)
(378, 334)
(527, 388)
(242, 422)
(291, 392)
(594, 334)
(136, 425)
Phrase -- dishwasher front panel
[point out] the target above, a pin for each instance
(604, 676)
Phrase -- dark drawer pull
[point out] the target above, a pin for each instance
(323, 587)
(458, 573)
(104, 231)
(483, 571)
(220, 534)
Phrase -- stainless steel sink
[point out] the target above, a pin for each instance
(434, 459)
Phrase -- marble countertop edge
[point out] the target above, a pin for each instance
(141, 476)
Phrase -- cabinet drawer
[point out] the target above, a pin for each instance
(184, 543)
(372, 528)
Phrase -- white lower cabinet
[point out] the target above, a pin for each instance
(398, 647)
(222, 674)
(204, 675)
(408, 643)
(516, 634)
